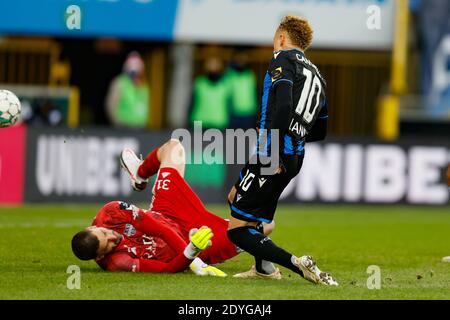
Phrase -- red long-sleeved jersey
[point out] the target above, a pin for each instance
(154, 240)
(151, 242)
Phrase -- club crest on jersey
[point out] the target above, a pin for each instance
(129, 230)
(123, 205)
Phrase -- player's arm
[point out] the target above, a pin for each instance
(119, 212)
(177, 264)
(282, 75)
(124, 262)
(200, 240)
(202, 269)
(145, 223)
(319, 130)
(283, 103)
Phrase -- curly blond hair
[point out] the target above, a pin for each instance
(299, 31)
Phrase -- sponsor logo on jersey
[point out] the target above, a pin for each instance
(136, 214)
(130, 230)
(151, 246)
(276, 74)
(238, 197)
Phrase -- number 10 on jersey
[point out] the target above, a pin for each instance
(311, 88)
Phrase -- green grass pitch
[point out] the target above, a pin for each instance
(407, 243)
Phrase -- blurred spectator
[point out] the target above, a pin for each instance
(127, 101)
(210, 97)
(243, 92)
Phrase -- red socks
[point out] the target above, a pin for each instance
(150, 166)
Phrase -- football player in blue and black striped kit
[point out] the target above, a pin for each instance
(294, 103)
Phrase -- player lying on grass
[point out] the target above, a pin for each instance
(124, 237)
(135, 241)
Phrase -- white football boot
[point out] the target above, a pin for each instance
(252, 273)
(311, 272)
(130, 163)
(446, 259)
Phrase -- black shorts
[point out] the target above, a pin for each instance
(257, 195)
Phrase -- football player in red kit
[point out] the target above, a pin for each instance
(168, 237)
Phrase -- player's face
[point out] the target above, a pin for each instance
(108, 240)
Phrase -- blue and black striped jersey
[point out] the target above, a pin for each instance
(307, 118)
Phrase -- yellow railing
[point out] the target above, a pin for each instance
(388, 116)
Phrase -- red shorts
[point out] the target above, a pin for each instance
(174, 198)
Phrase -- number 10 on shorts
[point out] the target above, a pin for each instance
(247, 181)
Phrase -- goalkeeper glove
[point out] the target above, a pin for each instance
(202, 269)
(200, 240)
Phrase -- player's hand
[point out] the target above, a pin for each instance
(200, 240)
(202, 269)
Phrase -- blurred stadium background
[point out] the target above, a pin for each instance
(387, 64)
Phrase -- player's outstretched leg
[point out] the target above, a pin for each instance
(170, 154)
(262, 268)
(261, 246)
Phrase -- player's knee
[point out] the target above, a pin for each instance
(174, 142)
(174, 151)
(231, 195)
